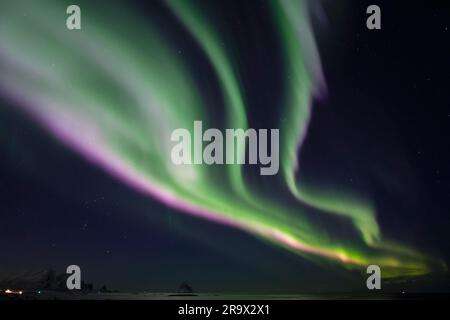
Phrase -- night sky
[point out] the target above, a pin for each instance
(378, 132)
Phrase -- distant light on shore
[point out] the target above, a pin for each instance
(9, 291)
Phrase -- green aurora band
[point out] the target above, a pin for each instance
(115, 91)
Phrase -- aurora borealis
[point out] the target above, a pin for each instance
(114, 91)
